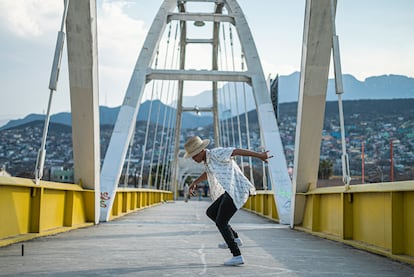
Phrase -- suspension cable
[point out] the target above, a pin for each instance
(169, 141)
(158, 110)
(235, 95)
(222, 112)
(144, 147)
(154, 139)
(54, 76)
(226, 131)
(228, 89)
(246, 117)
(223, 122)
(131, 144)
(346, 176)
(169, 94)
(170, 148)
(162, 135)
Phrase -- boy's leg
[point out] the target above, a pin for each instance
(212, 210)
(225, 212)
(235, 235)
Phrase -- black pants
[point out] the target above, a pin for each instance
(221, 211)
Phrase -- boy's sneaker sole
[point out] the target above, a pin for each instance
(237, 260)
(224, 245)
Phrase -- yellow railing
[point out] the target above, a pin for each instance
(263, 204)
(28, 210)
(375, 217)
(129, 199)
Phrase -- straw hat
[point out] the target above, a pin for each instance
(195, 145)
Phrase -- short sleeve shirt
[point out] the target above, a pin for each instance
(224, 174)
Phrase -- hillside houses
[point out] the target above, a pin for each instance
(374, 127)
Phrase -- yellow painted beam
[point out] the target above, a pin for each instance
(275, 214)
(89, 205)
(330, 214)
(263, 204)
(133, 203)
(372, 219)
(14, 208)
(36, 210)
(408, 214)
(52, 209)
(347, 215)
(397, 223)
(28, 210)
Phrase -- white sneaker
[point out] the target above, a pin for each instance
(224, 244)
(237, 260)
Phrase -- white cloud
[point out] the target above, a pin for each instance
(120, 39)
(30, 18)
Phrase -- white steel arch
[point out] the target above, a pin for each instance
(280, 180)
(118, 145)
(113, 162)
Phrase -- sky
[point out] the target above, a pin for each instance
(376, 38)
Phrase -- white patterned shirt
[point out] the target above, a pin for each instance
(223, 174)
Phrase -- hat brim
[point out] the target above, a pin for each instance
(197, 150)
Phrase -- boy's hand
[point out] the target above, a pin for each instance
(264, 156)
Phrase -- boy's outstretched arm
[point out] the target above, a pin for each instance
(244, 152)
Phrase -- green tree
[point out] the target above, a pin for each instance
(325, 169)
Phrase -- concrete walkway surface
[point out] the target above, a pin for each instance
(177, 239)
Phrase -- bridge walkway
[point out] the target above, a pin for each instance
(177, 239)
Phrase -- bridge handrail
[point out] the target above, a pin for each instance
(373, 187)
(373, 217)
(28, 210)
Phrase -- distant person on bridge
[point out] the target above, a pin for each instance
(229, 188)
(186, 192)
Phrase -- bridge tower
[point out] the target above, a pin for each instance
(82, 49)
(320, 43)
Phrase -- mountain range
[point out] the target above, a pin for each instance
(377, 87)
(108, 116)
